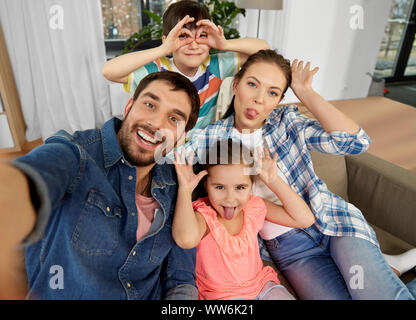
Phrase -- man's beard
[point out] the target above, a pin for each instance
(136, 157)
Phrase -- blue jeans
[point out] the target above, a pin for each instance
(324, 267)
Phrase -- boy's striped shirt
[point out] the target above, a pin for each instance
(207, 81)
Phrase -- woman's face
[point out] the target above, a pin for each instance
(257, 93)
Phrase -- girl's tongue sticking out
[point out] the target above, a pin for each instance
(229, 212)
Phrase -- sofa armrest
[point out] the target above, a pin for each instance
(385, 193)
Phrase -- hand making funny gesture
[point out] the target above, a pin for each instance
(179, 36)
(210, 34)
(330, 117)
(187, 179)
(302, 76)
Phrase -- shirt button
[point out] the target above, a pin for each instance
(122, 161)
(128, 284)
(133, 214)
(130, 177)
(108, 209)
(134, 253)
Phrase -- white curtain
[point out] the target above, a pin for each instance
(56, 48)
(272, 26)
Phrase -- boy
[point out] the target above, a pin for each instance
(188, 34)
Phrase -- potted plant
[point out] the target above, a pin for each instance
(222, 13)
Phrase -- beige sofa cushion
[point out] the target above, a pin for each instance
(332, 170)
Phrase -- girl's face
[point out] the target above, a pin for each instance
(257, 93)
(228, 188)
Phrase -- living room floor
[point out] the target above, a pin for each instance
(404, 93)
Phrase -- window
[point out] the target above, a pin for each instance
(397, 55)
(122, 18)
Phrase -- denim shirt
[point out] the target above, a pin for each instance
(84, 242)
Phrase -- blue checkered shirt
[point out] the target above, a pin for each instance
(291, 134)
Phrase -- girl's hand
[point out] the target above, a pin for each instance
(302, 76)
(210, 34)
(178, 36)
(187, 179)
(268, 166)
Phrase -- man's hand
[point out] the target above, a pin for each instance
(17, 219)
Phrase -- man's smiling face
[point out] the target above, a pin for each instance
(158, 113)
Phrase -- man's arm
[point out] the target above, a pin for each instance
(178, 280)
(29, 188)
(17, 219)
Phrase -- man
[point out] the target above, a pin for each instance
(94, 210)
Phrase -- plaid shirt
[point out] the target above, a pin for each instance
(291, 134)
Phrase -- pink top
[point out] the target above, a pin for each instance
(146, 207)
(230, 266)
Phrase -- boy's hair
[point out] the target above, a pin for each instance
(269, 56)
(178, 82)
(178, 10)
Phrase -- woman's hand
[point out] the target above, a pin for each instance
(178, 36)
(267, 166)
(210, 34)
(187, 179)
(302, 77)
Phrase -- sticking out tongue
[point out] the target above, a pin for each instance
(229, 212)
(251, 113)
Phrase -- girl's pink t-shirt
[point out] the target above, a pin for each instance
(230, 266)
(146, 207)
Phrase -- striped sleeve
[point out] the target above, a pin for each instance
(225, 64)
(136, 76)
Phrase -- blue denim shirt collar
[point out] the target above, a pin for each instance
(111, 145)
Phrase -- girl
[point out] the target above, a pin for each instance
(317, 261)
(224, 226)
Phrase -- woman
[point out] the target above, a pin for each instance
(322, 261)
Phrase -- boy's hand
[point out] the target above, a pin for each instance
(302, 77)
(210, 34)
(178, 36)
(187, 179)
(268, 167)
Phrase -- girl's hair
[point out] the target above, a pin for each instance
(270, 56)
(178, 10)
(222, 152)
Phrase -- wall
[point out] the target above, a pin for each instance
(319, 31)
(6, 140)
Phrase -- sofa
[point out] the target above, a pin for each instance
(384, 192)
